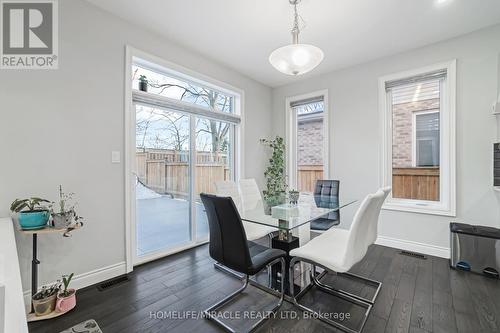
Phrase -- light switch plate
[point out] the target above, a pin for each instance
(115, 156)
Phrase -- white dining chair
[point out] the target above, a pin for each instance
(250, 194)
(337, 250)
(230, 189)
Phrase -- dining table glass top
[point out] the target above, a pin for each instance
(290, 216)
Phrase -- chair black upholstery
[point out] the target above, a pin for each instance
(326, 195)
(229, 247)
(228, 241)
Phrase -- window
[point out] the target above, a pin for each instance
(180, 89)
(426, 140)
(307, 140)
(186, 139)
(418, 113)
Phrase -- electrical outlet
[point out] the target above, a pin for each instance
(115, 156)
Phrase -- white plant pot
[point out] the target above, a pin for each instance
(60, 220)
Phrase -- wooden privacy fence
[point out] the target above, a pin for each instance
(167, 171)
(416, 183)
(173, 177)
(307, 176)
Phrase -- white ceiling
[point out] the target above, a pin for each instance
(241, 34)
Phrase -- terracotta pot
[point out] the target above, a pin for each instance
(44, 306)
(64, 304)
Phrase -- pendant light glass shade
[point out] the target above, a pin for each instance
(296, 59)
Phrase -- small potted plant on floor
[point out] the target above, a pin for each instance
(32, 214)
(66, 299)
(143, 83)
(66, 215)
(44, 301)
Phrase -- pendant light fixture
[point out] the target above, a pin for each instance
(296, 58)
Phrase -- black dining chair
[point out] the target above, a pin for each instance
(229, 246)
(326, 195)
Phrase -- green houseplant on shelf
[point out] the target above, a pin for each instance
(67, 214)
(276, 183)
(66, 299)
(32, 212)
(44, 301)
(143, 83)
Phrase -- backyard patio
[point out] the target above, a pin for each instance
(163, 221)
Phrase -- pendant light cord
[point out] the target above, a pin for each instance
(296, 17)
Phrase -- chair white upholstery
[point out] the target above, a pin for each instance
(250, 194)
(340, 249)
(227, 188)
(230, 189)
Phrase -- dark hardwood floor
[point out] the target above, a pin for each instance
(417, 296)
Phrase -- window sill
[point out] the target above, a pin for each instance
(414, 208)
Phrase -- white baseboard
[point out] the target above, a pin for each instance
(89, 278)
(432, 250)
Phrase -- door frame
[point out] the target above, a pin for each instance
(129, 148)
(291, 135)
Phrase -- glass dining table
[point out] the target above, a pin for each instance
(292, 222)
(289, 218)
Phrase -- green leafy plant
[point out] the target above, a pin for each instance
(143, 78)
(47, 291)
(63, 199)
(66, 281)
(29, 205)
(276, 183)
(66, 205)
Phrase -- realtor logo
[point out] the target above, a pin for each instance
(29, 34)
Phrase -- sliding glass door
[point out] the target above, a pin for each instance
(185, 141)
(163, 182)
(214, 162)
(177, 157)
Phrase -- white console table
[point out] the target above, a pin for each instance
(13, 313)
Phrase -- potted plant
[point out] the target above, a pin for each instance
(44, 301)
(66, 300)
(32, 214)
(143, 83)
(66, 215)
(293, 196)
(276, 184)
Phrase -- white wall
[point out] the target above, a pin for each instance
(60, 126)
(356, 140)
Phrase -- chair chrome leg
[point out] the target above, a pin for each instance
(211, 314)
(229, 271)
(316, 281)
(208, 312)
(353, 300)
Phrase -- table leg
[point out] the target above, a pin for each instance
(285, 245)
(34, 269)
(284, 234)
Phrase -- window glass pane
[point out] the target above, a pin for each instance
(213, 163)
(167, 86)
(309, 145)
(162, 187)
(415, 140)
(427, 139)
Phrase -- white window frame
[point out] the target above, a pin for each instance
(291, 135)
(414, 134)
(447, 204)
(185, 74)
